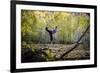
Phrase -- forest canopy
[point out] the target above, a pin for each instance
(70, 26)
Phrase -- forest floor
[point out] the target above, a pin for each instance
(53, 52)
(80, 52)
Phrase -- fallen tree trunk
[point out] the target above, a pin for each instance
(77, 43)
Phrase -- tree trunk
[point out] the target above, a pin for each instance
(76, 45)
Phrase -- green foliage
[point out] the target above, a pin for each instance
(33, 25)
(49, 55)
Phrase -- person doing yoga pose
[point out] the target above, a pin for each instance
(51, 32)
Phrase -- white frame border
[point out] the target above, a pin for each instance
(20, 65)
